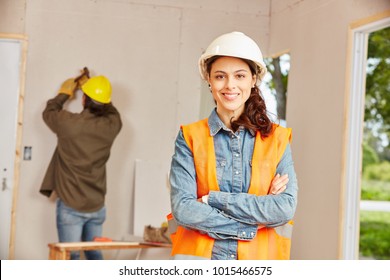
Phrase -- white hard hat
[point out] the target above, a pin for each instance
(235, 44)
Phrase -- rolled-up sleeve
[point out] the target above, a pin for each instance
(268, 210)
(191, 213)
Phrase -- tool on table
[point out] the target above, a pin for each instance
(102, 239)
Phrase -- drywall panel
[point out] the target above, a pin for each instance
(316, 33)
(151, 195)
(12, 16)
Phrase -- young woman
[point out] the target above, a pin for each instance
(228, 198)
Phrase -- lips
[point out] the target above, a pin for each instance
(230, 96)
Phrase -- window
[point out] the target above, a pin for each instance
(274, 87)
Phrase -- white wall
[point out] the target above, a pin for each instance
(149, 50)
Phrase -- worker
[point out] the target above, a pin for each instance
(233, 183)
(77, 171)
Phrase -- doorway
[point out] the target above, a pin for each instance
(374, 241)
(359, 33)
(12, 61)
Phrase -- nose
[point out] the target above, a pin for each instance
(230, 83)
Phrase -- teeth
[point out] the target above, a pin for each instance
(230, 96)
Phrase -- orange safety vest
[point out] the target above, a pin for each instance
(269, 243)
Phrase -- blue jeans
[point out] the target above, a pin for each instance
(74, 226)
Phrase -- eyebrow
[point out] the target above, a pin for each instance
(240, 70)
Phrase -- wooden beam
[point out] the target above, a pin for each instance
(61, 251)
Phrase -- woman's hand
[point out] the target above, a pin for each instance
(278, 184)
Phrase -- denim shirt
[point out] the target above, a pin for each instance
(231, 213)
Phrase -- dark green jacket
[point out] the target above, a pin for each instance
(77, 170)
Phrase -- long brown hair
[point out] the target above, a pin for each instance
(98, 109)
(255, 115)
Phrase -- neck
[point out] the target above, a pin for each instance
(227, 117)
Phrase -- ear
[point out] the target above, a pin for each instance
(254, 79)
(208, 83)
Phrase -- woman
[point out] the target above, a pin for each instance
(227, 197)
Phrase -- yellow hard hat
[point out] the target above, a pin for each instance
(98, 88)
(235, 44)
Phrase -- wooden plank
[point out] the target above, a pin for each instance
(56, 253)
(13, 36)
(61, 251)
(19, 129)
(370, 19)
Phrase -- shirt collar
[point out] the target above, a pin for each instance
(215, 124)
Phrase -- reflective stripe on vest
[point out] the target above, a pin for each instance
(269, 243)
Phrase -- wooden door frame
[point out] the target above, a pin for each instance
(353, 132)
(15, 189)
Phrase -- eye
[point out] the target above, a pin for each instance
(241, 76)
(219, 77)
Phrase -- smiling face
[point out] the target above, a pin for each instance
(231, 81)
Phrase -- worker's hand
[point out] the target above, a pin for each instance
(83, 79)
(278, 184)
(68, 87)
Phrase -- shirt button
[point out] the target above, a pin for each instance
(237, 172)
(243, 233)
(233, 256)
(237, 155)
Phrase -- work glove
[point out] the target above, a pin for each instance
(68, 87)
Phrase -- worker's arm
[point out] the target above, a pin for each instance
(269, 210)
(193, 214)
(54, 106)
(53, 109)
